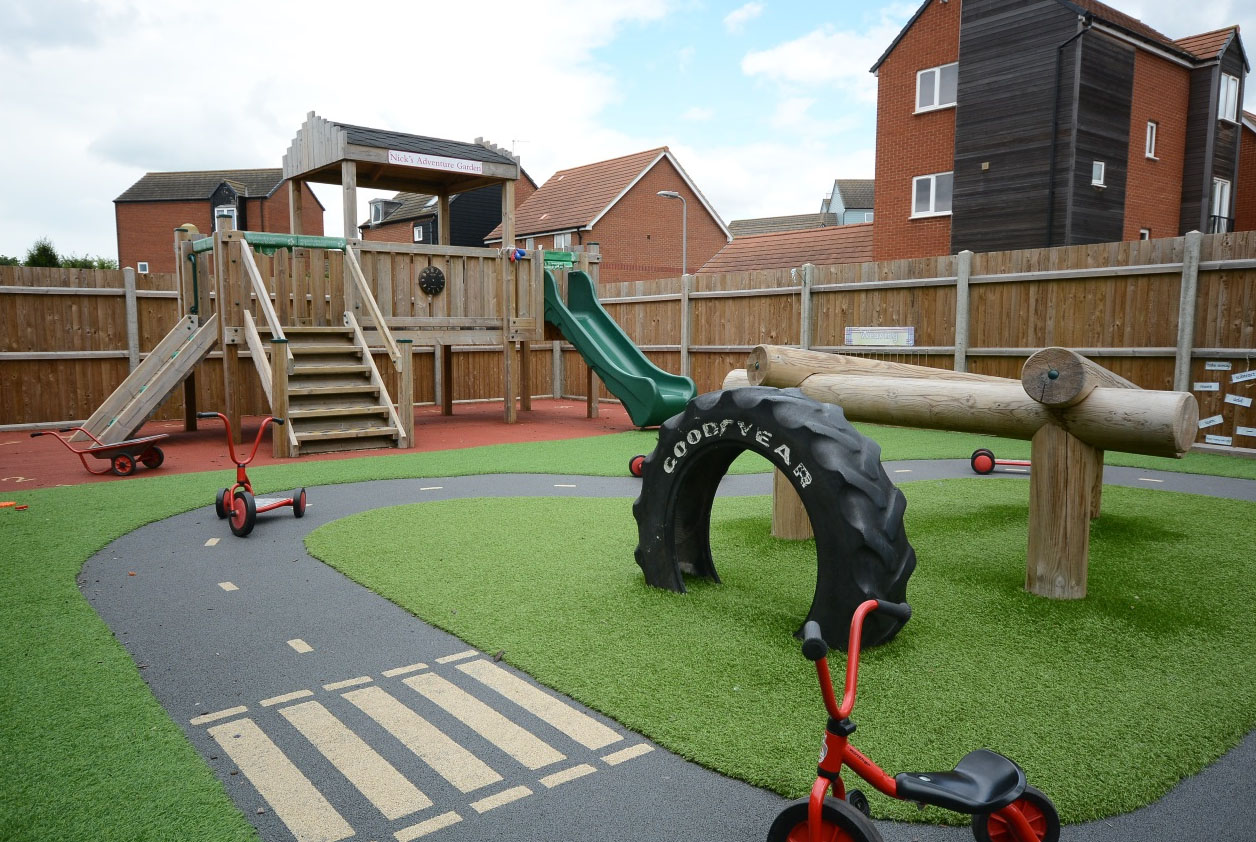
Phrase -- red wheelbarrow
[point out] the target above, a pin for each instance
(123, 456)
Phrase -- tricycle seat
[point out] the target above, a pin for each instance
(982, 782)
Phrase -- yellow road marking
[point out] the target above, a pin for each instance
(286, 697)
(448, 759)
(308, 815)
(580, 727)
(393, 673)
(501, 798)
(627, 754)
(374, 777)
(430, 826)
(461, 656)
(212, 542)
(522, 745)
(227, 586)
(551, 781)
(351, 682)
(300, 645)
(220, 714)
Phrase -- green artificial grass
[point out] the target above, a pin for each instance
(1106, 702)
(89, 753)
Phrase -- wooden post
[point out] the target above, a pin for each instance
(405, 390)
(590, 389)
(508, 298)
(349, 195)
(444, 220)
(686, 324)
(525, 376)
(556, 368)
(280, 437)
(1061, 485)
(1186, 311)
(804, 306)
(231, 303)
(132, 319)
(296, 223)
(444, 362)
(963, 272)
(189, 402)
(789, 517)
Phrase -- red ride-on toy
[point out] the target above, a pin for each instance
(636, 465)
(984, 784)
(123, 457)
(238, 502)
(983, 461)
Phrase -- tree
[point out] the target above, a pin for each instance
(88, 261)
(42, 253)
(5, 260)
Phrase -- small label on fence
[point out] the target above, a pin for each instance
(1245, 431)
(1243, 376)
(1238, 400)
(1211, 421)
(1207, 387)
(905, 336)
(1226, 440)
(1217, 365)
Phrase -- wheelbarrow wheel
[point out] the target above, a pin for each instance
(153, 457)
(221, 503)
(123, 465)
(243, 513)
(298, 503)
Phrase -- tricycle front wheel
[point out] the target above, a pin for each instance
(298, 503)
(839, 822)
(243, 513)
(1037, 809)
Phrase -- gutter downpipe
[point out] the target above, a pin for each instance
(1086, 20)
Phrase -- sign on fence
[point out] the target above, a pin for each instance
(905, 336)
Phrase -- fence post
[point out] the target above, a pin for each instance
(804, 306)
(686, 325)
(1186, 311)
(132, 318)
(405, 390)
(963, 271)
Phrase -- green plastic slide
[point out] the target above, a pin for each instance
(650, 394)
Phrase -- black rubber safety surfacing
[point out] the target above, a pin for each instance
(856, 513)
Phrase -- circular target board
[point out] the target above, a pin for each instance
(432, 280)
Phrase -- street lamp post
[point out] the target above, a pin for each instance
(684, 228)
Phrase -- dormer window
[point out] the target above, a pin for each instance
(1228, 100)
(936, 87)
(377, 212)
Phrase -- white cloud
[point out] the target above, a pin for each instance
(736, 20)
(698, 114)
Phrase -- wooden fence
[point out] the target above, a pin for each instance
(1171, 313)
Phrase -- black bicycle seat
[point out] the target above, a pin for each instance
(982, 782)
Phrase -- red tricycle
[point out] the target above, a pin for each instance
(983, 461)
(238, 502)
(984, 784)
(123, 456)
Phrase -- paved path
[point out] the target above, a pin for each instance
(330, 713)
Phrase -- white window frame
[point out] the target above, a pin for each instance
(562, 241)
(1144, 233)
(934, 76)
(1153, 128)
(377, 213)
(529, 243)
(416, 234)
(1228, 98)
(141, 266)
(1098, 172)
(867, 216)
(1220, 188)
(226, 210)
(933, 195)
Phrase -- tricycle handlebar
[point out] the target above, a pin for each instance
(815, 649)
(207, 415)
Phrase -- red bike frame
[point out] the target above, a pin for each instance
(838, 751)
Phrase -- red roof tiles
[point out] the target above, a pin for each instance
(821, 246)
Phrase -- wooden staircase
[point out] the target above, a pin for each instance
(336, 399)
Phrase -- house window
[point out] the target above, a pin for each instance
(142, 267)
(868, 216)
(377, 213)
(1220, 221)
(935, 87)
(1228, 101)
(562, 241)
(1096, 174)
(529, 243)
(931, 194)
(418, 232)
(223, 213)
(1152, 126)
(1144, 233)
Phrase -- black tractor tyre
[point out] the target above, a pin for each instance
(856, 513)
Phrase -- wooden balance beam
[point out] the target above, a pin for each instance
(1070, 408)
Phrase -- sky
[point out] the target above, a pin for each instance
(764, 103)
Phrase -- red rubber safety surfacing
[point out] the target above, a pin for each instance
(829, 832)
(999, 830)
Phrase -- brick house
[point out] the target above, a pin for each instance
(1245, 198)
(792, 248)
(850, 200)
(413, 217)
(616, 204)
(147, 213)
(1038, 123)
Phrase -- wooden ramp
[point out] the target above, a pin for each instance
(145, 388)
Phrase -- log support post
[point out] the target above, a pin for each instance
(789, 516)
(1062, 483)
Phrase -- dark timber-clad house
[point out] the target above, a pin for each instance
(414, 217)
(1011, 124)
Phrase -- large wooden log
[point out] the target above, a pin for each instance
(1059, 377)
(783, 367)
(1153, 423)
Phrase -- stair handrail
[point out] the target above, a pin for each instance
(376, 380)
(263, 299)
(372, 307)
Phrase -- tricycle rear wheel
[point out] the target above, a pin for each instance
(222, 506)
(243, 513)
(298, 503)
(840, 822)
(1037, 809)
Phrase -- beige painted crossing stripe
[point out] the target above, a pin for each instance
(286, 697)
(300, 645)
(307, 814)
(431, 488)
(581, 727)
(218, 714)
(564, 485)
(212, 542)
(627, 754)
(522, 745)
(430, 826)
(227, 586)
(1149, 479)
(551, 781)
(460, 656)
(504, 797)
(448, 759)
(374, 777)
(350, 682)
(393, 673)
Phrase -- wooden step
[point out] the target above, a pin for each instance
(301, 370)
(351, 433)
(336, 412)
(339, 445)
(300, 391)
(300, 349)
(307, 330)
